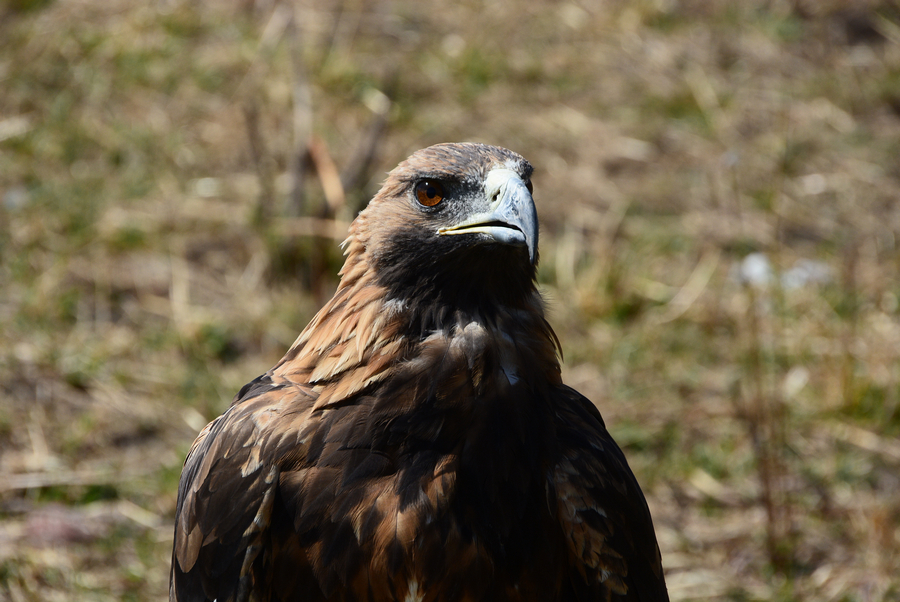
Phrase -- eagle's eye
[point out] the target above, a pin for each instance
(429, 193)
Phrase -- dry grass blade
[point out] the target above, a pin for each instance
(313, 226)
(79, 478)
(688, 294)
(328, 176)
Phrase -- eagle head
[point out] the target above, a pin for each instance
(454, 224)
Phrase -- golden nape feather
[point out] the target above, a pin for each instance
(417, 442)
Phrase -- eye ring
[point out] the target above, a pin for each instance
(429, 193)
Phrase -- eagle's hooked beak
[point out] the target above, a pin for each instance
(512, 218)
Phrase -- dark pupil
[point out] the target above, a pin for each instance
(430, 191)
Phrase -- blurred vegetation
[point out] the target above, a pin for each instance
(718, 184)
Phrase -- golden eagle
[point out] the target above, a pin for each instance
(417, 443)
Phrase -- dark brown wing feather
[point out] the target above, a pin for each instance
(603, 513)
(228, 491)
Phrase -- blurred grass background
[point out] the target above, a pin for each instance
(718, 185)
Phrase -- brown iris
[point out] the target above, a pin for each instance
(429, 193)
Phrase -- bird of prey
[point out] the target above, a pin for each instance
(417, 443)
